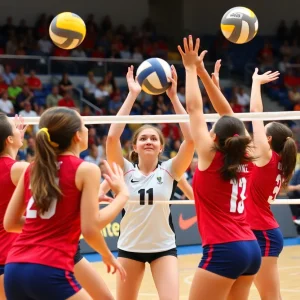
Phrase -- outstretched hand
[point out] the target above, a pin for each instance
(19, 122)
(266, 77)
(190, 57)
(133, 85)
(215, 75)
(172, 90)
(115, 178)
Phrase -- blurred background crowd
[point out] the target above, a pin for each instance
(35, 75)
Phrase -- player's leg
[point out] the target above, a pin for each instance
(208, 285)
(81, 295)
(2, 292)
(165, 275)
(91, 281)
(134, 266)
(267, 279)
(241, 288)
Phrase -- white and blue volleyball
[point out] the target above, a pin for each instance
(152, 75)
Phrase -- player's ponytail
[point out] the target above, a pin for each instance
(282, 142)
(232, 141)
(44, 185)
(235, 151)
(5, 131)
(57, 129)
(134, 157)
(288, 159)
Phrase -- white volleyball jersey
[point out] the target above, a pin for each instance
(146, 226)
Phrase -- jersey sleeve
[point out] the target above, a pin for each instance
(127, 166)
(167, 165)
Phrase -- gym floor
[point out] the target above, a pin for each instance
(189, 258)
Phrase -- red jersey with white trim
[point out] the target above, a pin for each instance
(265, 184)
(220, 204)
(6, 190)
(51, 239)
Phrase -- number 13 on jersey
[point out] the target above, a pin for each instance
(235, 205)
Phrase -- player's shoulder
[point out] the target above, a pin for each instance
(128, 166)
(87, 168)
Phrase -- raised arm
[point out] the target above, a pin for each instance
(92, 221)
(212, 87)
(186, 151)
(14, 218)
(202, 139)
(262, 148)
(186, 188)
(113, 144)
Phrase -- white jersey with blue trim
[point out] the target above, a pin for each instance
(146, 226)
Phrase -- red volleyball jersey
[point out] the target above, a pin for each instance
(6, 190)
(220, 204)
(51, 239)
(265, 184)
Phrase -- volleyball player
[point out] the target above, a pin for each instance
(146, 230)
(61, 201)
(231, 254)
(11, 139)
(276, 153)
(11, 135)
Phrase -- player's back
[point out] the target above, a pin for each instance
(52, 238)
(7, 188)
(264, 186)
(220, 203)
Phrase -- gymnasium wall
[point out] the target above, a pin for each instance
(204, 16)
(130, 12)
(184, 221)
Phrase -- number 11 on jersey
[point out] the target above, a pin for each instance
(142, 193)
(236, 206)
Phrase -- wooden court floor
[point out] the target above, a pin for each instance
(289, 267)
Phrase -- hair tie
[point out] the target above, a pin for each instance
(288, 138)
(236, 135)
(45, 129)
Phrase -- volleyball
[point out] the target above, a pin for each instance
(152, 75)
(239, 25)
(67, 30)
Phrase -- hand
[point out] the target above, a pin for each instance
(172, 90)
(266, 77)
(104, 198)
(19, 122)
(215, 75)
(133, 85)
(114, 265)
(190, 57)
(115, 178)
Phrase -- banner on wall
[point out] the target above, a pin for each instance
(185, 225)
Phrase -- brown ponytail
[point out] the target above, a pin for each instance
(58, 127)
(288, 159)
(235, 152)
(134, 157)
(283, 144)
(44, 185)
(234, 144)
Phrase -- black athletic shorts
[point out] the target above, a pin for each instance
(146, 257)
(78, 256)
